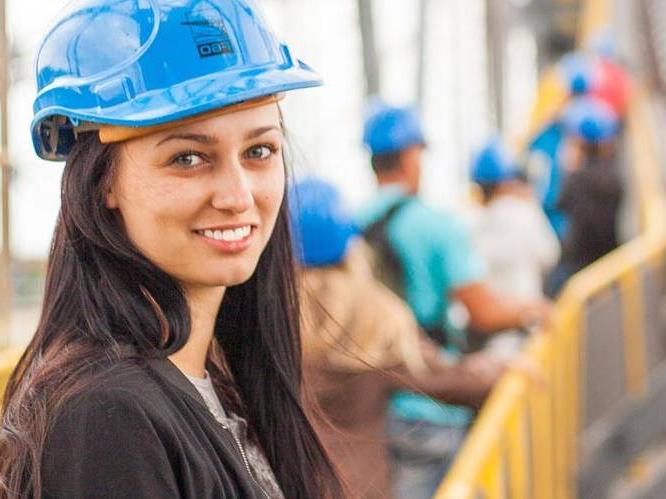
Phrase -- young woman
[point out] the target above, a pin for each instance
(167, 359)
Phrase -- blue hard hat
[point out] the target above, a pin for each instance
(142, 63)
(390, 129)
(578, 72)
(590, 119)
(493, 164)
(322, 227)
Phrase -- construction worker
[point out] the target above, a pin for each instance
(511, 234)
(425, 255)
(592, 192)
(575, 74)
(361, 343)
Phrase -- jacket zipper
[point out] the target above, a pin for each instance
(245, 460)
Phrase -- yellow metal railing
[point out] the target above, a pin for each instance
(525, 441)
(500, 457)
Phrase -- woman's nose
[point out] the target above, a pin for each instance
(232, 189)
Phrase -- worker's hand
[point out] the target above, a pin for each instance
(536, 314)
(486, 368)
(527, 366)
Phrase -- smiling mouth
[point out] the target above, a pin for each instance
(226, 235)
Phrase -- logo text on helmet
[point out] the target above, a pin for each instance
(208, 32)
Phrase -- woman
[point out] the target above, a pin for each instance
(361, 344)
(167, 359)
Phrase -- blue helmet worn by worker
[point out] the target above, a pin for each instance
(591, 120)
(144, 63)
(493, 164)
(390, 129)
(577, 69)
(322, 227)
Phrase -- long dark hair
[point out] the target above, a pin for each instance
(101, 294)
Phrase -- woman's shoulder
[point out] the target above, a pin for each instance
(124, 389)
(112, 436)
(120, 406)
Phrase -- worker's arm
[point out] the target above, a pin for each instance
(467, 382)
(490, 312)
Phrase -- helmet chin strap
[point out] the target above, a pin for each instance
(109, 134)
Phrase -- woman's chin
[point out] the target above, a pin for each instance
(228, 278)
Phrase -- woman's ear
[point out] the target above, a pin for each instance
(110, 190)
(110, 199)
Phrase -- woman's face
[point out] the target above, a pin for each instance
(200, 201)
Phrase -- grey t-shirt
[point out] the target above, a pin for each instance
(238, 426)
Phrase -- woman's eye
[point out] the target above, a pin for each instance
(260, 152)
(189, 160)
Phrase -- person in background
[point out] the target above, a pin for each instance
(545, 172)
(425, 255)
(361, 343)
(595, 72)
(571, 75)
(592, 193)
(512, 234)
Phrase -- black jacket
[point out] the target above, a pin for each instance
(142, 432)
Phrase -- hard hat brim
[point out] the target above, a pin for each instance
(174, 103)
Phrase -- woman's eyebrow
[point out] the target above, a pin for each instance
(253, 134)
(196, 137)
(209, 139)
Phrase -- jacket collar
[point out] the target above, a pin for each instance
(166, 370)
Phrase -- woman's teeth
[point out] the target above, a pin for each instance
(227, 234)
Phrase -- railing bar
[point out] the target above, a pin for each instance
(634, 335)
(517, 452)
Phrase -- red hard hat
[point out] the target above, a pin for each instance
(611, 84)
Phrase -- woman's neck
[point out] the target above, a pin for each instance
(204, 304)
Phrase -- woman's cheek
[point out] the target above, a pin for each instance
(272, 190)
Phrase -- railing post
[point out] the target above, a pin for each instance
(634, 337)
(370, 60)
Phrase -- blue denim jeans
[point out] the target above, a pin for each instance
(421, 453)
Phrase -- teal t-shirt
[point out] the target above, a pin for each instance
(436, 256)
